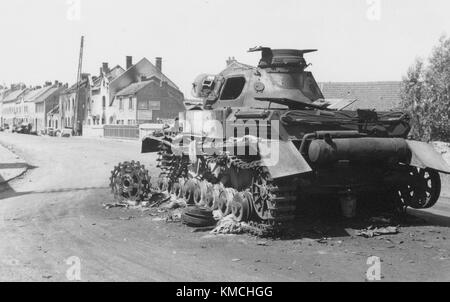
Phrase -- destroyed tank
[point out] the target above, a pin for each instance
(265, 140)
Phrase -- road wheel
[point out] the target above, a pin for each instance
(422, 190)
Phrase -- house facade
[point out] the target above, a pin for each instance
(73, 110)
(143, 94)
(12, 107)
(45, 103)
(100, 96)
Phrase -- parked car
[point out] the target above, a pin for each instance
(66, 133)
(22, 129)
(50, 131)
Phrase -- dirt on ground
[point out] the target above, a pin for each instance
(56, 212)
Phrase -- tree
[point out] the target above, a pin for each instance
(426, 94)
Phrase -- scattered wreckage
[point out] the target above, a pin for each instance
(266, 139)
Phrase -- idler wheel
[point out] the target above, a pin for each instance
(241, 206)
(130, 180)
(225, 201)
(422, 191)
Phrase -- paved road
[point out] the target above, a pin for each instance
(55, 212)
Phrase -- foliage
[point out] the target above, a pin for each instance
(426, 94)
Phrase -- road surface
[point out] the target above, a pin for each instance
(52, 221)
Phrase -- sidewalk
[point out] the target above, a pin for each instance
(11, 165)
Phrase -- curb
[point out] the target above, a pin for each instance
(9, 157)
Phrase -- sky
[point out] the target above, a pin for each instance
(358, 40)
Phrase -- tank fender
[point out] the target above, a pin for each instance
(423, 155)
(282, 158)
(151, 144)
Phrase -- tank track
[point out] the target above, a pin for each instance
(276, 205)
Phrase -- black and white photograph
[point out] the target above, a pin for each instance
(200, 142)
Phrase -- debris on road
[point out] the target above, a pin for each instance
(176, 204)
(371, 232)
(108, 206)
(229, 225)
(175, 216)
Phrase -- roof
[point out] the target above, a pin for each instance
(14, 95)
(42, 97)
(382, 96)
(133, 88)
(111, 75)
(73, 88)
(143, 68)
(234, 66)
(55, 110)
(32, 94)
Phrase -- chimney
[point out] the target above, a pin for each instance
(158, 61)
(230, 60)
(129, 62)
(105, 68)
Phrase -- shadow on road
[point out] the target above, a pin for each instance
(6, 191)
(325, 221)
(4, 166)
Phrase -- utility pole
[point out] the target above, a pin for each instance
(80, 68)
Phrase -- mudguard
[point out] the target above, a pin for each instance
(151, 144)
(282, 159)
(424, 156)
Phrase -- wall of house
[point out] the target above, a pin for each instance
(39, 116)
(50, 103)
(163, 102)
(66, 109)
(122, 115)
(8, 111)
(97, 111)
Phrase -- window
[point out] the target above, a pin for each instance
(233, 88)
(143, 105)
(130, 103)
(104, 101)
(121, 104)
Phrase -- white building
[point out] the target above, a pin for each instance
(100, 96)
